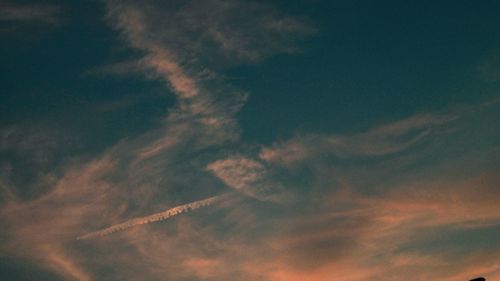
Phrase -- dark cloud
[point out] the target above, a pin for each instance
(29, 13)
(490, 69)
(18, 20)
(30, 157)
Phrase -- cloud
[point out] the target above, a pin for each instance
(29, 13)
(249, 177)
(490, 69)
(238, 172)
(132, 24)
(382, 140)
(61, 263)
(219, 31)
(27, 155)
(120, 68)
(40, 229)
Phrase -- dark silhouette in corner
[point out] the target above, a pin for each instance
(478, 279)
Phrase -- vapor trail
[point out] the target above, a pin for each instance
(154, 217)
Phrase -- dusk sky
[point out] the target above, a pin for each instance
(248, 140)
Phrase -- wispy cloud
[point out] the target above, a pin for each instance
(39, 229)
(382, 140)
(41, 13)
(219, 32)
(28, 155)
(120, 68)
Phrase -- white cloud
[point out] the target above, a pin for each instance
(247, 176)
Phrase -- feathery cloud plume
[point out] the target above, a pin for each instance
(383, 140)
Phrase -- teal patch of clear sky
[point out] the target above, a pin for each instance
(371, 62)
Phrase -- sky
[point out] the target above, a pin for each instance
(199, 140)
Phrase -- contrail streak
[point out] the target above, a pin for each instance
(155, 217)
